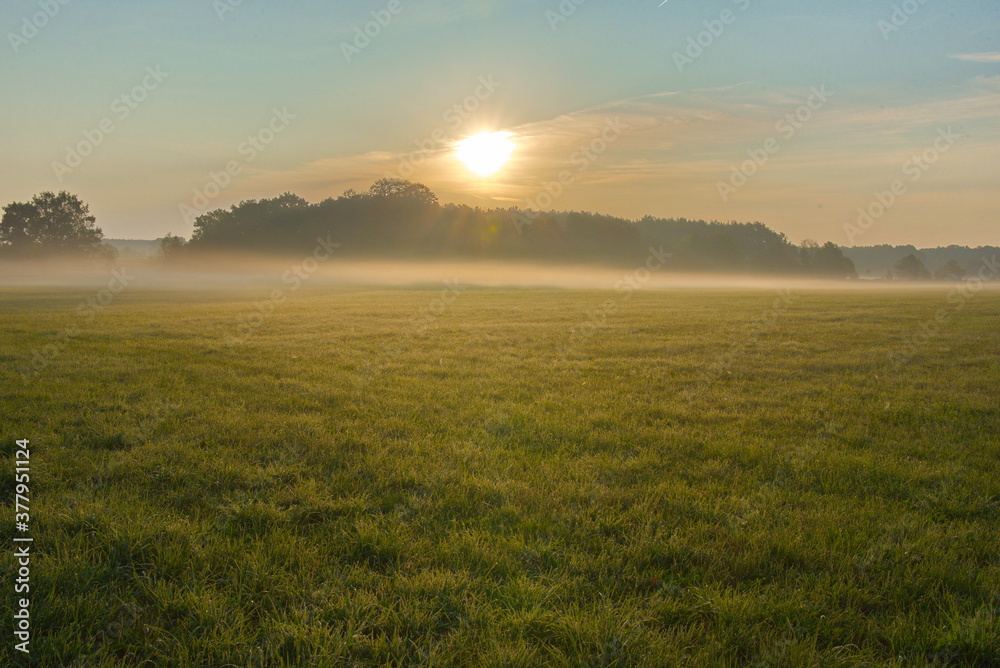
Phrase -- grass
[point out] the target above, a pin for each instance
(344, 487)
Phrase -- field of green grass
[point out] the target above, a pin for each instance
(506, 478)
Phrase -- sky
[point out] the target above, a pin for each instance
(858, 122)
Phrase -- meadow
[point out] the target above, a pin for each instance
(506, 477)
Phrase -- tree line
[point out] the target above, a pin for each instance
(942, 264)
(398, 219)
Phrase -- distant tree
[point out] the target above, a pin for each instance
(807, 254)
(911, 268)
(829, 260)
(170, 247)
(402, 189)
(107, 253)
(251, 224)
(951, 271)
(51, 224)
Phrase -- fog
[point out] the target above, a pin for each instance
(231, 272)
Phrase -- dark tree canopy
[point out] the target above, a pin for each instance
(249, 224)
(400, 219)
(911, 268)
(402, 189)
(50, 224)
(827, 260)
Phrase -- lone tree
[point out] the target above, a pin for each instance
(911, 268)
(50, 224)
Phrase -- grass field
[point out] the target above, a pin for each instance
(417, 477)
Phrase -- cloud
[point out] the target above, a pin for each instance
(987, 57)
(987, 82)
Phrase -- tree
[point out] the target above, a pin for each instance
(170, 247)
(251, 224)
(106, 253)
(403, 189)
(50, 224)
(911, 268)
(951, 271)
(807, 254)
(829, 260)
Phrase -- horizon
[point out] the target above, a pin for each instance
(846, 123)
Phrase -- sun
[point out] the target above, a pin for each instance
(484, 154)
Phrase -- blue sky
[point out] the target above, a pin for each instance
(559, 82)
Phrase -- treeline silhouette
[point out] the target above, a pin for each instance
(942, 263)
(397, 219)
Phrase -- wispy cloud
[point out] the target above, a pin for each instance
(986, 57)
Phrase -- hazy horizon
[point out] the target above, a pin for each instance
(289, 274)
